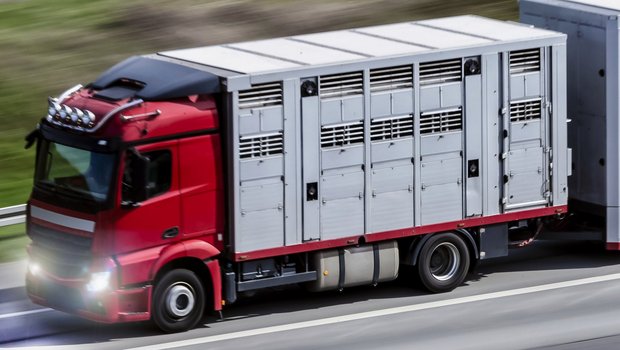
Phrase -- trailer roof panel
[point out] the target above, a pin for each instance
(361, 43)
(230, 59)
(288, 49)
(486, 28)
(606, 4)
(423, 36)
(356, 45)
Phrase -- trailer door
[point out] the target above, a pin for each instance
(333, 157)
(441, 134)
(526, 170)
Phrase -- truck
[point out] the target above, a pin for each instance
(180, 180)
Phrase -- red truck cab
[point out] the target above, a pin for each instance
(111, 211)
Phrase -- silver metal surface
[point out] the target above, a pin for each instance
(592, 85)
(450, 261)
(331, 48)
(180, 300)
(385, 136)
(604, 4)
(69, 92)
(113, 112)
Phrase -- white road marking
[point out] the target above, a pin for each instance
(380, 313)
(23, 313)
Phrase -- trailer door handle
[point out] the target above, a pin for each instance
(170, 233)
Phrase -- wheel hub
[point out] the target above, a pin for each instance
(180, 300)
(445, 261)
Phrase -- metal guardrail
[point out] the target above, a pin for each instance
(12, 215)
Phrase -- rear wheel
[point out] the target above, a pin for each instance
(178, 301)
(443, 262)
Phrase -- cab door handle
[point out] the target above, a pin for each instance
(170, 233)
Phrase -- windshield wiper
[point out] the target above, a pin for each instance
(64, 189)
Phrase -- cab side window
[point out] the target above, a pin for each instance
(158, 174)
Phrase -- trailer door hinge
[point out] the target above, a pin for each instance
(549, 107)
(504, 155)
(504, 200)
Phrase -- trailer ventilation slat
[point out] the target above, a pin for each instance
(392, 78)
(260, 146)
(261, 95)
(524, 61)
(440, 72)
(525, 110)
(392, 128)
(441, 121)
(342, 135)
(340, 85)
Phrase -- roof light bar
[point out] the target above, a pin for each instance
(71, 117)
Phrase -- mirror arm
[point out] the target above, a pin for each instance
(32, 137)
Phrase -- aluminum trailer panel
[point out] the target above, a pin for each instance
(281, 54)
(593, 103)
(389, 131)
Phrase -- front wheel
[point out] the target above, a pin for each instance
(443, 262)
(178, 301)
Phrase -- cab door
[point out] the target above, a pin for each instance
(155, 220)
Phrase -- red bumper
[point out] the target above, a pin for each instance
(111, 306)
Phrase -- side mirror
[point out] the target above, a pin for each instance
(32, 137)
(135, 179)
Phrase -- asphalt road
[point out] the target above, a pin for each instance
(552, 295)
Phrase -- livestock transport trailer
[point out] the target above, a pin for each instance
(177, 180)
(593, 107)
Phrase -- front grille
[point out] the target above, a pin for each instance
(59, 253)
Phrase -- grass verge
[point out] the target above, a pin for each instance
(13, 241)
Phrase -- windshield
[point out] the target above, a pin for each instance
(75, 172)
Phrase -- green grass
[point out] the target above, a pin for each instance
(13, 243)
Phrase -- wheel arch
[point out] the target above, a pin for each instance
(193, 264)
(199, 257)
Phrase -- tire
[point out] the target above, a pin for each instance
(443, 263)
(178, 301)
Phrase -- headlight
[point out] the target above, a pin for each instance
(76, 115)
(98, 281)
(65, 113)
(34, 268)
